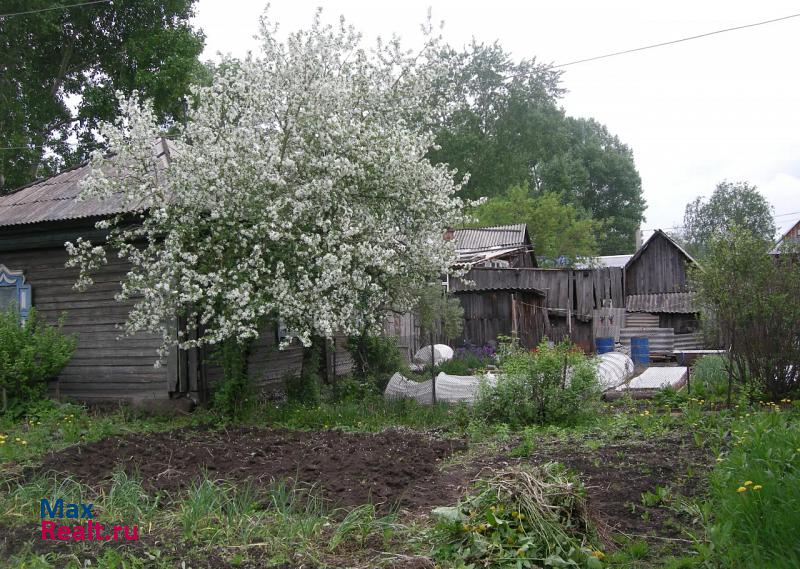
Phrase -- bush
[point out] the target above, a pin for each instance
(351, 389)
(755, 493)
(754, 302)
(30, 355)
(548, 385)
(375, 359)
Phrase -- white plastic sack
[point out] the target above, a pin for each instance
(441, 353)
(613, 369)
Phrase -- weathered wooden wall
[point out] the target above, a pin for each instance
(269, 367)
(489, 314)
(660, 268)
(103, 366)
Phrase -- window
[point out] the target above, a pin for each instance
(14, 292)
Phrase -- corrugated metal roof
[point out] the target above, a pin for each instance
(618, 261)
(673, 302)
(500, 236)
(484, 279)
(56, 198)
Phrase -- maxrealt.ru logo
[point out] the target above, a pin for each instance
(89, 531)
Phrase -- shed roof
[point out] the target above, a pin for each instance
(56, 198)
(659, 233)
(498, 236)
(668, 302)
(618, 261)
(480, 279)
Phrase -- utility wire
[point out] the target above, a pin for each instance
(55, 8)
(671, 42)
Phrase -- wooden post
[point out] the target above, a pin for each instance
(433, 369)
(514, 331)
(570, 284)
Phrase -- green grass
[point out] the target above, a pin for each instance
(759, 526)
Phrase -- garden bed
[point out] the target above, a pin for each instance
(348, 469)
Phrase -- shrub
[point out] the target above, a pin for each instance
(755, 492)
(548, 385)
(754, 303)
(375, 359)
(30, 354)
(520, 518)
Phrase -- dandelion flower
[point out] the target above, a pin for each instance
(757, 487)
(599, 554)
(741, 489)
(748, 483)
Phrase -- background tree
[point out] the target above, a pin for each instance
(299, 190)
(504, 127)
(751, 301)
(59, 70)
(732, 204)
(557, 229)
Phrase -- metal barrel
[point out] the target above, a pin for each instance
(640, 349)
(604, 345)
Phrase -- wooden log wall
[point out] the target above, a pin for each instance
(103, 367)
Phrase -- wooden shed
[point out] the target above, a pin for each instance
(501, 302)
(35, 222)
(657, 284)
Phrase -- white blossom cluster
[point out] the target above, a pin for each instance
(298, 190)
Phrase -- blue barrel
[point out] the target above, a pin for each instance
(604, 345)
(640, 350)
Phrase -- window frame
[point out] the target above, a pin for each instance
(24, 298)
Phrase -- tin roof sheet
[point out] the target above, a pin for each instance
(673, 302)
(485, 279)
(499, 236)
(56, 198)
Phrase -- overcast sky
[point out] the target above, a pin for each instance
(695, 113)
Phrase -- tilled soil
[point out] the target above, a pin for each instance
(618, 473)
(394, 467)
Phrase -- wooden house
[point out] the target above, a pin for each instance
(35, 222)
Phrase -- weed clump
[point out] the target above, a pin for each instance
(522, 517)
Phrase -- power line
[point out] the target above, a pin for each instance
(671, 42)
(55, 8)
(682, 226)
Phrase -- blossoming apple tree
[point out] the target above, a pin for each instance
(297, 190)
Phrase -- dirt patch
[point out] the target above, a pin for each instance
(349, 469)
(618, 473)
